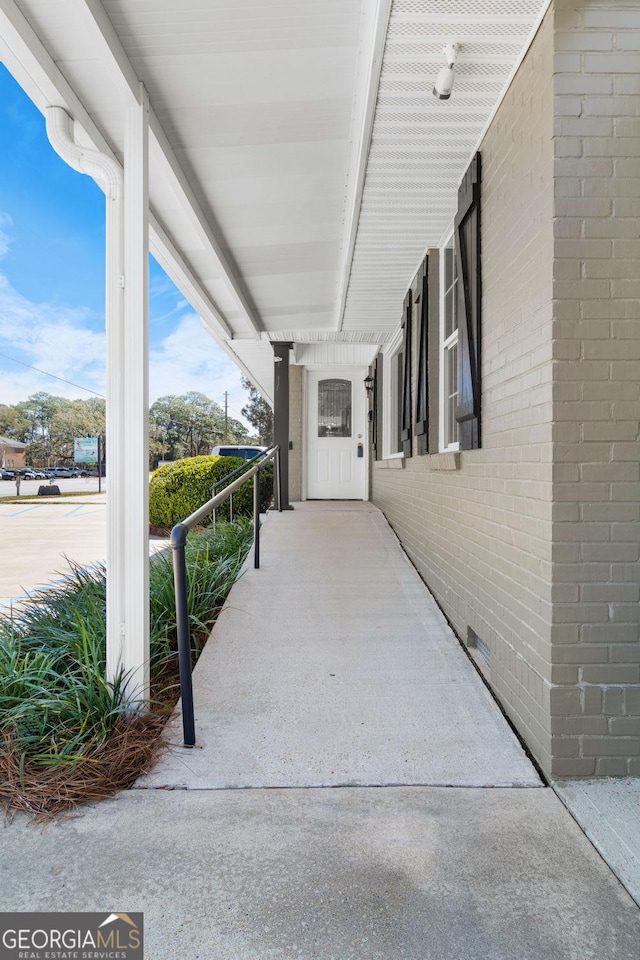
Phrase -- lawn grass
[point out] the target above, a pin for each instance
(12, 498)
(66, 735)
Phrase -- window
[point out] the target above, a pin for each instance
(448, 348)
(441, 331)
(334, 408)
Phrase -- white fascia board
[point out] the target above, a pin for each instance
(370, 82)
(184, 192)
(98, 22)
(33, 67)
(173, 264)
(227, 346)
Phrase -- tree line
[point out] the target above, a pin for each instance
(179, 426)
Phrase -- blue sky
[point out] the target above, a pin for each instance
(52, 280)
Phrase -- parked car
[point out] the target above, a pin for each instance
(7, 474)
(61, 472)
(29, 473)
(246, 453)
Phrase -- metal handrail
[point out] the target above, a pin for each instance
(178, 541)
(219, 483)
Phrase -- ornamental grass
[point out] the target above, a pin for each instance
(67, 736)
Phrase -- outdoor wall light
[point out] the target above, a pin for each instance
(444, 81)
(368, 383)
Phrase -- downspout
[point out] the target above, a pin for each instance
(108, 172)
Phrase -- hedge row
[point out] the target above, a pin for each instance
(178, 489)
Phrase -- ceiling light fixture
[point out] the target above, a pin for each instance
(444, 81)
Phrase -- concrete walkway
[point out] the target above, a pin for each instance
(332, 668)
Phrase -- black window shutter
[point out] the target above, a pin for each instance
(420, 295)
(377, 408)
(405, 396)
(467, 230)
(399, 364)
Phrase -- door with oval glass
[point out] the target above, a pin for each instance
(336, 431)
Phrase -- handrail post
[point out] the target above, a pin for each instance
(276, 480)
(178, 544)
(256, 520)
(179, 536)
(231, 509)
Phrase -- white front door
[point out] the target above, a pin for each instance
(336, 432)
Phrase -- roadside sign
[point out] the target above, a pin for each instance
(85, 450)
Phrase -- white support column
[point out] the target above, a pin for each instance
(60, 130)
(114, 312)
(127, 266)
(132, 470)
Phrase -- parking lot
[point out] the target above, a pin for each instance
(38, 536)
(66, 484)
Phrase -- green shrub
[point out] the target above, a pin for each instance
(178, 489)
(55, 704)
(214, 558)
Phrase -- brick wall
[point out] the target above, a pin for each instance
(295, 431)
(478, 525)
(596, 648)
(532, 543)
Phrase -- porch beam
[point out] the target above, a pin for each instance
(22, 51)
(207, 234)
(370, 74)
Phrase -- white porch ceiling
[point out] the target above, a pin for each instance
(290, 195)
(421, 146)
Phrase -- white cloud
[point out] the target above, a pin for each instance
(62, 342)
(57, 339)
